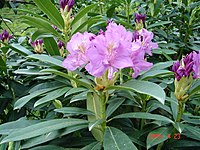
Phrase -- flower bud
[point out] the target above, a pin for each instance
(5, 37)
(38, 46)
(66, 5)
(61, 47)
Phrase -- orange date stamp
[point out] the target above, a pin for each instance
(176, 136)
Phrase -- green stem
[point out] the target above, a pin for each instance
(121, 76)
(180, 111)
(143, 110)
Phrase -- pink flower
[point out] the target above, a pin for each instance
(196, 66)
(110, 51)
(77, 47)
(139, 63)
(143, 39)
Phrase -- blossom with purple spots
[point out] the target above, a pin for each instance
(77, 47)
(143, 41)
(110, 50)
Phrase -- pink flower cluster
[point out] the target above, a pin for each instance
(189, 65)
(114, 49)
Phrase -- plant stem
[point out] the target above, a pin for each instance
(121, 76)
(143, 110)
(180, 111)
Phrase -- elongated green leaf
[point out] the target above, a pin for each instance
(40, 24)
(50, 10)
(25, 99)
(48, 147)
(20, 49)
(51, 46)
(94, 105)
(2, 64)
(69, 77)
(42, 128)
(143, 115)
(115, 139)
(155, 73)
(162, 65)
(75, 91)
(83, 12)
(158, 24)
(143, 87)
(51, 96)
(46, 58)
(31, 71)
(192, 132)
(158, 136)
(9, 127)
(94, 124)
(93, 146)
(74, 110)
(161, 51)
(40, 34)
(78, 97)
(52, 135)
(113, 106)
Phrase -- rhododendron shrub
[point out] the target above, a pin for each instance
(89, 75)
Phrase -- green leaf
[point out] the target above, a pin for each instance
(155, 73)
(40, 24)
(143, 115)
(51, 96)
(115, 139)
(51, 46)
(40, 34)
(158, 136)
(94, 124)
(48, 147)
(20, 49)
(9, 127)
(195, 87)
(41, 128)
(31, 71)
(192, 132)
(113, 106)
(158, 24)
(80, 25)
(83, 12)
(162, 65)
(161, 51)
(2, 64)
(74, 110)
(52, 135)
(75, 91)
(143, 87)
(25, 99)
(50, 10)
(46, 58)
(93, 105)
(93, 146)
(78, 97)
(70, 78)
